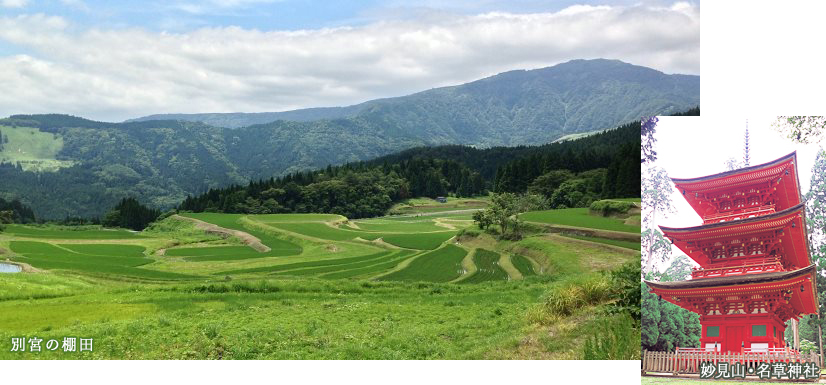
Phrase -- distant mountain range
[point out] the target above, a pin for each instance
(511, 108)
(65, 166)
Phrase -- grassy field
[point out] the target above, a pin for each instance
(275, 319)
(33, 149)
(329, 289)
(579, 217)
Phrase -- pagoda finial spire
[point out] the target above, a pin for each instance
(746, 146)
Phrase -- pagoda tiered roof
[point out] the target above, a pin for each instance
(738, 194)
(779, 235)
(719, 284)
(795, 290)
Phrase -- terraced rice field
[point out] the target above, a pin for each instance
(90, 258)
(522, 264)
(218, 253)
(406, 239)
(440, 265)
(579, 217)
(66, 232)
(487, 268)
(613, 242)
(372, 269)
(333, 297)
(279, 246)
(415, 225)
(379, 262)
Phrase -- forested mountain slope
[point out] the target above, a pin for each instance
(511, 108)
(63, 165)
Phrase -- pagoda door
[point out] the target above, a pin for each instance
(734, 337)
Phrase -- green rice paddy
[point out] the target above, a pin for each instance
(487, 268)
(400, 238)
(114, 259)
(522, 264)
(614, 242)
(579, 217)
(68, 232)
(440, 265)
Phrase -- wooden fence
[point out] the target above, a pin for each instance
(689, 362)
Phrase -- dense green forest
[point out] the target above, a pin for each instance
(130, 214)
(570, 174)
(20, 212)
(355, 190)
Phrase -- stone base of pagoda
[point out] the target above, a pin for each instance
(742, 332)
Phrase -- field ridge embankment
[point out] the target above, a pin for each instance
(247, 238)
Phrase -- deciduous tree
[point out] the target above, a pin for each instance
(656, 200)
(802, 129)
(648, 126)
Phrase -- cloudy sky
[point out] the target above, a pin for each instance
(690, 147)
(119, 60)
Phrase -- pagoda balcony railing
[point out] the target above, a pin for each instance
(740, 213)
(748, 266)
(770, 350)
(742, 350)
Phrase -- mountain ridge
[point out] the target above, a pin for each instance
(565, 74)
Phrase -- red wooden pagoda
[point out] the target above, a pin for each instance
(755, 272)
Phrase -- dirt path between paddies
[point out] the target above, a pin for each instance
(619, 249)
(589, 232)
(439, 223)
(247, 238)
(467, 265)
(433, 214)
(353, 225)
(506, 264)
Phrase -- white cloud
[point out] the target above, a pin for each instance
(76, 4)
(120, 73)
(13, 3)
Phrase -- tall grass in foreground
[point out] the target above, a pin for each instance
(618, 339)
(569, 296)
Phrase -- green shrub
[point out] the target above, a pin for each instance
(609, 207)
(470, 233)
(626, 283)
